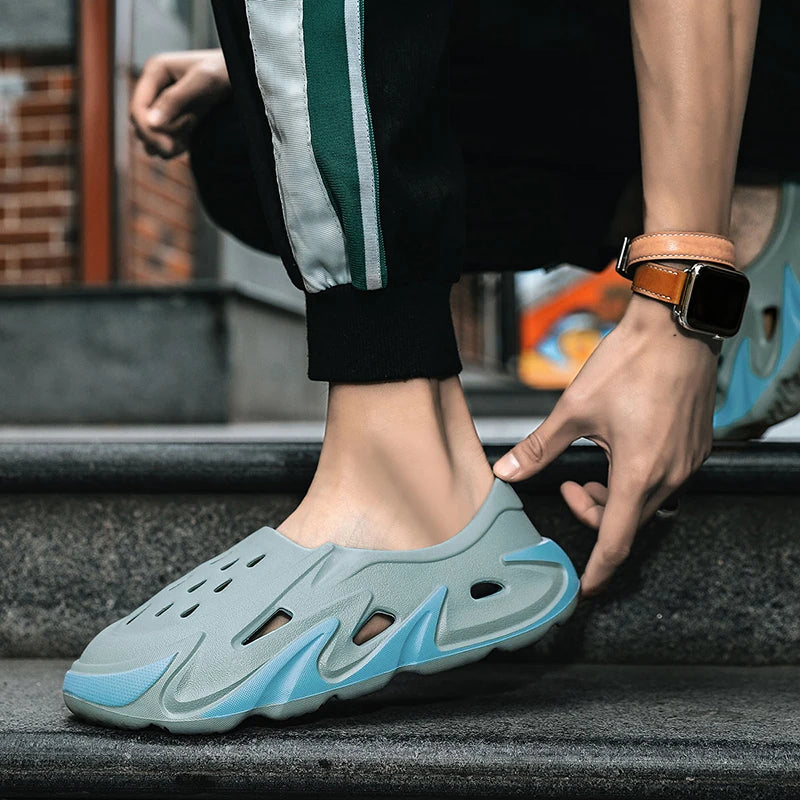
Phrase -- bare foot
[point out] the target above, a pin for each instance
(401, 467)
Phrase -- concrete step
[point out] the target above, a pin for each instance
(493, 729)
(89, 531)
(166, 354)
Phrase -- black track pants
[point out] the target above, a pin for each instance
(344, 105)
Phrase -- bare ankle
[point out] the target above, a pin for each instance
(401, 467)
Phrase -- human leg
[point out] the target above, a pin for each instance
(374, 241)
(401, 467)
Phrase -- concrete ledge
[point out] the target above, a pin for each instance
(488, 730)
(751, 467)
(180, 355)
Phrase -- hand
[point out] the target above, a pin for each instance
(172, 94)
(646, 396)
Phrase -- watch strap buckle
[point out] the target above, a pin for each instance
(622, 259)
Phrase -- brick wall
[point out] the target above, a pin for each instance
(157, 246)
(37, 170)
(39, 225)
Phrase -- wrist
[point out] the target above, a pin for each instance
(647, 314)
(652, 319)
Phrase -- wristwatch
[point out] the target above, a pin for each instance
(708, 296)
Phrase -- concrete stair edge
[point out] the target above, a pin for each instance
(134, 466)
(489, 730)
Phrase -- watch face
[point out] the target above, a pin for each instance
(717, 300)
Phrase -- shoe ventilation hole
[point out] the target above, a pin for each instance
(222, 586)
(229, 564)
(769, 319)
(137, 614)
(166, 608)
(196, 586)
(277, 620)
(484, 589)
(255, 560)
(190, 611)
(377, 623)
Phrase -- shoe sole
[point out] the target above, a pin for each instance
(307, 705)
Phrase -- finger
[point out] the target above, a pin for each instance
(163, 146)
(597, 491)
(180, 145)
(539, 448)
(154, 79)
(156, 144)
(148, 108)
(666, 498)
(586, 502)
(621, 517)
(669, 508)
(181, 103)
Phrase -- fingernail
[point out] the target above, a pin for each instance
(155, 116)
(507, 467)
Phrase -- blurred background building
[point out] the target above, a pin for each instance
(87, 218)
(38, 144)
(82, 203)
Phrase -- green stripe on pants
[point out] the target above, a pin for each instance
(341, 130)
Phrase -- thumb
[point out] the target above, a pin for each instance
(538, 448)
(184, 101)
(168, 111)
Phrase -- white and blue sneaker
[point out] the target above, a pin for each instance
(758, 383)
(200, 656)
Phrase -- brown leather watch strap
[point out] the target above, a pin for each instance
(681, 246)
(659, 282)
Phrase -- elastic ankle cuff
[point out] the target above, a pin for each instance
(396, 333)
